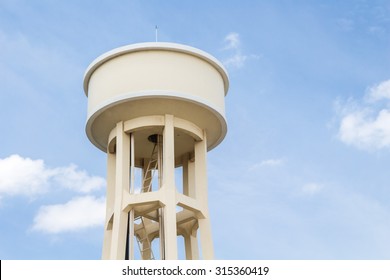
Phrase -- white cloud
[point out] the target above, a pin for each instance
(25, 176)
(267, 163)
(272, 162)
(364, 131)
(365, 126)
(28, 177)
(232, 41)
(77, 214)
(237, 58)
(379, 92)
(77, 180)
(311, 188)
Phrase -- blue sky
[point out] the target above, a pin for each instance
(303, 172)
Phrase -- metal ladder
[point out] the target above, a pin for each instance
(143, 241)
(150, 170)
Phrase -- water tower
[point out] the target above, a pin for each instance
(156, 109)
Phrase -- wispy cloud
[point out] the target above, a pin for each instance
(236, 58)
(77, 180)
(29, 177)
(365, 124)
(77, 214)
(232, 41)
(273, 162)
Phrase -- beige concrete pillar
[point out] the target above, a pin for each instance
(202, 195)
(194, 244)
(187, 246)
(169, 189)
(191, 179)
(161, 233)
(130, 240)
(188, 177)
(190, 238)
(185, 175)
(110, 198)
(122, 175)
(191, 245)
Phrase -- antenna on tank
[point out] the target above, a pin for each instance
(156, 31)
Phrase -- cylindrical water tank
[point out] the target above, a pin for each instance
(149, 79)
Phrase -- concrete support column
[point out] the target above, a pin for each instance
(202, 195)
(194, 244)
(131, 213)
(191, 179)
(122, 175)
(188, 177)
(110, 197)
(130, 241)
(185, 175)
(169, 190)
(190, 238)
(187, 246)
(191, 245)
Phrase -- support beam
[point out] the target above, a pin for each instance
(191, 245)
(122, 175)
(169, 190)
(185, 175)
(202, 195)
(194, 244)
(130, 241)
(110, 198)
